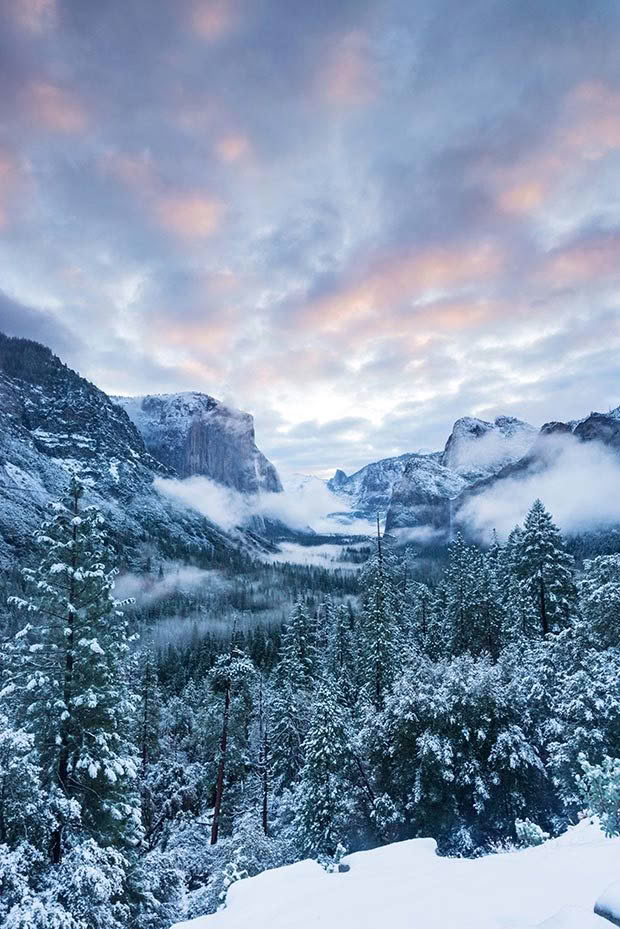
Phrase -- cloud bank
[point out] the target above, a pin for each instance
(304, 505)
(578, 483)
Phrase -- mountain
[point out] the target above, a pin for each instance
(368, 492)
(54, 423)
(547, 450)
(192, 433)
(422, 497)
(476, 448)
(416, 489)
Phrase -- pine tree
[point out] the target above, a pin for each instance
(462, 588)
(68, 681)
(380, 645)
(298, 651)
(322, 791)
(545, 570)
(231, 674)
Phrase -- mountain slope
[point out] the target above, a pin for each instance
(368, 492)
(194, 434)
(54, 423)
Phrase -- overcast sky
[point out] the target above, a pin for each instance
(357, 220)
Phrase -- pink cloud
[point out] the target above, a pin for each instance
(34, 15)
(189, 215)
(584, 261)
(587, 129)
(403, 278)
(54, 108)
(232, 147)
(212, 19)
(346, 76)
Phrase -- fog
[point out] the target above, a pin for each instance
(147, 588)
(491, 451)
(578, 482)
(309, 504)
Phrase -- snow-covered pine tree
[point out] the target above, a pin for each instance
(67, 680)
(380, 641)
(298, 650)
(599, 600)
(230, 676)
(462, 596)
(322, 792)
(545, 570)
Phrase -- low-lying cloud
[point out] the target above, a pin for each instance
(306, 504)
(148, 588)
(578, 482)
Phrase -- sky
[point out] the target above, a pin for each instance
(356, 220)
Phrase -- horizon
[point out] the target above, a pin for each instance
(358, 223)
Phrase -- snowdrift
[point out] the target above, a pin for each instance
(408, 886)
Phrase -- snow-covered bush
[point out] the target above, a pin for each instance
(600, 787)
(529, 834)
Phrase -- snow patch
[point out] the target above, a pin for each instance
(406, 885)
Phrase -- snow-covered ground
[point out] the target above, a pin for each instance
(407, 886)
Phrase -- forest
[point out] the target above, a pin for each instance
(474, 699)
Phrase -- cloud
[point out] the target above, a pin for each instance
(190, 216)
(147, 588)
(55, 108)
(356, 210)
(577, 482)
(306, 504)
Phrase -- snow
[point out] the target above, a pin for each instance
(608, 904)
(406, 885)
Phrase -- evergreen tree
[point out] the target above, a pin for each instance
(599, 597)
(545, 570)
(321, 793)
(68, 679)
(381, 648)
(298, 651)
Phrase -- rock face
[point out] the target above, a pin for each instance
(476, 448)
(192, 433)
(423, 496)
(427, 494)
(369, 490)
(54, 423)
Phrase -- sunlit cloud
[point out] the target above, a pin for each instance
(54, 108)
(212, 19)
(189, 216)
(231, 148)
(346, 76)
(35, 16)
(583, 261)
(405, 278)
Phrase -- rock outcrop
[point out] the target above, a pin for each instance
(194, 434)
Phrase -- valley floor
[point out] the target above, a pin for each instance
(407, 886)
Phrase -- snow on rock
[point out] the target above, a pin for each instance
(476, 448)
(608, 904)
(195, 434)
(368, 492)
(406, 885)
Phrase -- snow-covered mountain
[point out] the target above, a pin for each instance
(368, 492)
(54, 423)
(195, 434)
(404, 885)
(425, 495)
(476, 448)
